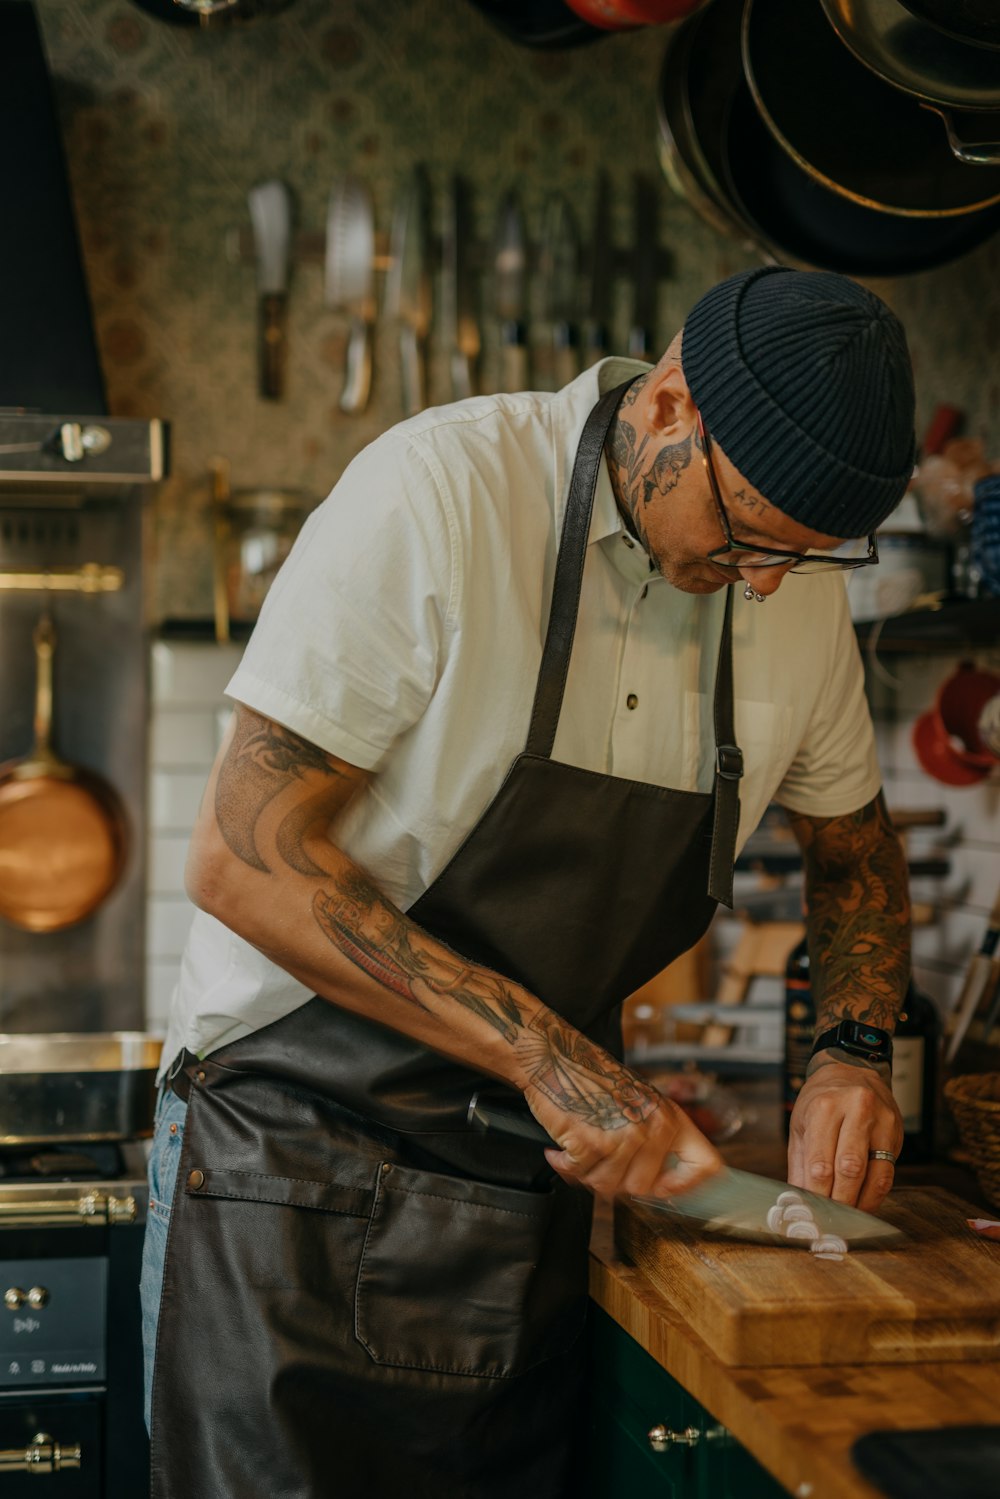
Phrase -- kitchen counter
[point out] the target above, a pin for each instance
(799, 1423)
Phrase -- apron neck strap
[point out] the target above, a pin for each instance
(569, 574)
(559, 646)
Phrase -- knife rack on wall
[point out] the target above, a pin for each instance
(508, 312)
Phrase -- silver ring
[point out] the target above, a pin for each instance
(882, 1155)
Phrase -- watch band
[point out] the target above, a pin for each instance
(868, 1044)
(866, 1064)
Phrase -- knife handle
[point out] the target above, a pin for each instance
(595, 343)
(483, 1115)
(272, 345)
(513, 357)
(411, 369)
(461, 375)
(565, 355)
(358, 374)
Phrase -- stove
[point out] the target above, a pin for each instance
(72, 1218)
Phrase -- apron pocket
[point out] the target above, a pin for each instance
(462, 1277)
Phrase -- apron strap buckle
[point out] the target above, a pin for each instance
(729, 761)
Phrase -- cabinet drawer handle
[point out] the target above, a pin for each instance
(661, 1438)
(42, 1455)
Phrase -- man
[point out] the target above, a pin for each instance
(487, 773)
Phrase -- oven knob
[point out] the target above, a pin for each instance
(13, 1299)
(38, 1297)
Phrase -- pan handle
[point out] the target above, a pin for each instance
(973, 153)
(44, 636)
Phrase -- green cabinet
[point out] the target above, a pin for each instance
(649, 1438)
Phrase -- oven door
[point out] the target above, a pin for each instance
(51, 1444)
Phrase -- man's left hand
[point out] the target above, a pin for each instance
(842, 1114)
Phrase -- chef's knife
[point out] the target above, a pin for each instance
(458, 292)
(599, 276)
(271, 217)
(645, 255)
(350, 281)
(408, 286)
(559, 276)
(510, 277)
(733, 1203)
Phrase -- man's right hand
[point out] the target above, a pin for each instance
(618, 1135)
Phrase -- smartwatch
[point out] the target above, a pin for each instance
(868, 1042)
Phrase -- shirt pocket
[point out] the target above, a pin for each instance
(763, 733)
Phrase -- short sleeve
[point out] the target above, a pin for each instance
(349, 644)
(835, 769)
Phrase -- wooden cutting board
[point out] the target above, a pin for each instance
(934, 1298)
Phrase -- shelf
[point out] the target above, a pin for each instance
(953, 625)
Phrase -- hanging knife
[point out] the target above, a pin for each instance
(408, 286)
(510, 277)
(350, 281)
(645, 253)
(271, 216)
(734, 1203)
(599, 274)
(458, 314)
(559, 277)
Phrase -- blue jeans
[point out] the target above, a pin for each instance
(164, 1158)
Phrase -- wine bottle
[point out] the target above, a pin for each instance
(800, 1025)
(914, 1074)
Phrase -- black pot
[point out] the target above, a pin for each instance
(856, 134)
(976, 21)
(718, 152)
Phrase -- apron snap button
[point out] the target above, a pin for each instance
(200, 1076)
(196, 1179)
(386, 1167)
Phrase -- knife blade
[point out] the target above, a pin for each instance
(642, 330)
(408, 285)
(271, 216)
(559, 273)
(350, 281)
(459, 317)
(599, 275)
(510, 275)
(732, 1203)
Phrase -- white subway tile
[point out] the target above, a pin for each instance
(182, 737)
(168, 923)
(187, 673)
(175, 797)
(167, 857)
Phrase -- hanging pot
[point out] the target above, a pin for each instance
(851, 131)
(946, 76)
(717, 152)
(63, 834)
(976, 21)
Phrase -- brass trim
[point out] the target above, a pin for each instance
(92, 577)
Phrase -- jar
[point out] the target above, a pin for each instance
(255, 534)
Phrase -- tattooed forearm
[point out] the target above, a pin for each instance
(262, 760)
(563, 1064)
(859, 915)
(582, 1078)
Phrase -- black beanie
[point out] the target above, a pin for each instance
(803, 378)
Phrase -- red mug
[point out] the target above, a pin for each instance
(946, 739)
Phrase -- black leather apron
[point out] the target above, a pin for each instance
(361, 1294)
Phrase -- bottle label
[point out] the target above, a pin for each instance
(908, 1080)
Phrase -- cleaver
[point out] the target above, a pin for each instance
(732, 1203)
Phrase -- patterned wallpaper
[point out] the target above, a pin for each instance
(167, 128)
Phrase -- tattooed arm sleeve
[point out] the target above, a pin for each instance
(263, 862)
(858, 915)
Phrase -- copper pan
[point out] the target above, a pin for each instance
(63, 831)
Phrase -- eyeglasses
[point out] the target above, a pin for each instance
(860, 553)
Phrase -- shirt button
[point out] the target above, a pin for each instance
(628, 540)
(631, 701)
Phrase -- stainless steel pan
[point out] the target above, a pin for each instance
(69, 1086)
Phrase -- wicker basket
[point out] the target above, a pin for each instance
(975, 1102)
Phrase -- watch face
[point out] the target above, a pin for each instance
(866, 1039)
